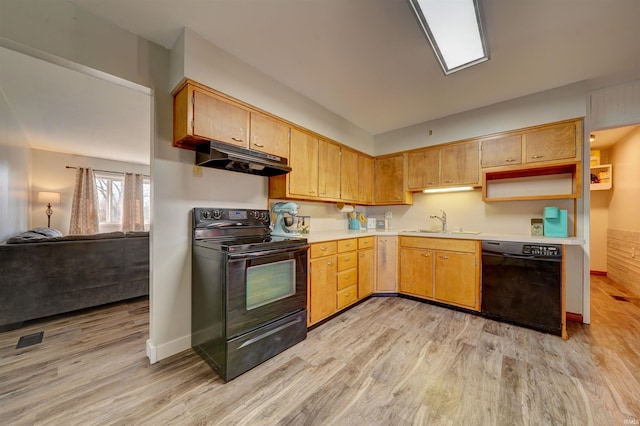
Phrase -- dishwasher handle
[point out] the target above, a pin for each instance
(523, 256)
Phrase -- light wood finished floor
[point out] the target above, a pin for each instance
(388, 361)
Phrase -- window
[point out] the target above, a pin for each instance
(110, 192)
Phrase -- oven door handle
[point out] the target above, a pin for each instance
(263, 253)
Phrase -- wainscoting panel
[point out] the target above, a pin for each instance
(623, 258)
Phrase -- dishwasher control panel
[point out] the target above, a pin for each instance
(540, 250)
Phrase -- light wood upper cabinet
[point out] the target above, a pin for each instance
(200, 115)
(554, 143)
(423, 169)
(365, 179)
(460, 164)
(502, 151)
(328, 170)
(389, 187)
(349, 177)
(269, 135)
(303, 160)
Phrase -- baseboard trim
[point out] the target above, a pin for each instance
(603, 273)
(156, 353)
(574, 317)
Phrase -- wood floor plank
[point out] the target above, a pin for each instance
(385, 361)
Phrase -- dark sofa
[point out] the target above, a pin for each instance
(53, 275)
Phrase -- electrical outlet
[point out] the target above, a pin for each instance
(388, 215)
(197, 171)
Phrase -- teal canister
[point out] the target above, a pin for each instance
(555, 222)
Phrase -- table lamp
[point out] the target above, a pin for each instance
(49, 198)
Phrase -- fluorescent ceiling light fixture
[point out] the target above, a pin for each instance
(452, 189)
(454, 29)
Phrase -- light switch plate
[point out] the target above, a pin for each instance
(371, 223)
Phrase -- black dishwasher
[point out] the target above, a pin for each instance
(522, 284)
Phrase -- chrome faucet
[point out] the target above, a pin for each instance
(442, 219)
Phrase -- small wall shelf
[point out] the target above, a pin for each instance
(605, 177)
(543, 182)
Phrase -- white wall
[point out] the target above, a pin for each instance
(49, 173)
(213, 67)
(14, 173)
(624, 207)
(563, 103)
(598, 224)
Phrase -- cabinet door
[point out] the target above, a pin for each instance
(328, 170)
(366, 264)
(389, 180)
(456, 281)
(416, 272)
(322, 292)
(387, 264)
(216, 119)
(269, 135)
(460, 164)
(423, 169)
(365, 179)
(502, 151)
(349, 175)
(555, 143)
(303, 160)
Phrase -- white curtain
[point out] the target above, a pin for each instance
(132, 203)
(84, 208)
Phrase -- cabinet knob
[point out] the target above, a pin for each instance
(311, 191)
(346, 277)
(448, 181)
(237, 139)
(259, 145)
(323, 249)
(535, 157)
(426, 255)
(431, 183)
(444, 257)
(347, 259)
(509, 160)
(329, 263)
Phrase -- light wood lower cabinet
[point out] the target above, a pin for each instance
(441, 269)
(416, 272)
(341, 272)
(386, 264)
(366, 266)
(323, 269)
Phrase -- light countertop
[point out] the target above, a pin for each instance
(315, 237)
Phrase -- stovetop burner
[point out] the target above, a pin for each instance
(237, 230)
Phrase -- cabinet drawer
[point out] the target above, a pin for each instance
(323, 249)
(365, 243)
(346, 297)
(439, 243)
(347, 278)
(347, 261)
(347, 245)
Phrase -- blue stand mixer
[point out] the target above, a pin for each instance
(285, 224)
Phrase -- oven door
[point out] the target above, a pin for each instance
(264, 286)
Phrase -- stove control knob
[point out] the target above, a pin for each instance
(205, 214)
(217, 214)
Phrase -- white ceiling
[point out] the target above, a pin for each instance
(368, 61)
(64, 110)
(365, 60)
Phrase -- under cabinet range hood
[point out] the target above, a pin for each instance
(219, 155)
